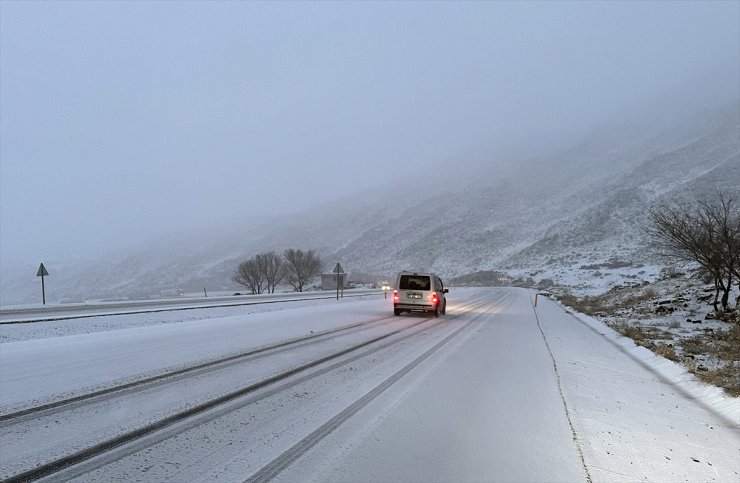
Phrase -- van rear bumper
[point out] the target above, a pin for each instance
(414, 306)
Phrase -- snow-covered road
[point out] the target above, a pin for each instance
(343, 391)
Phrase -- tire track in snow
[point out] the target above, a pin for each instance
(102, 453)
(285, 459)
(117, 390)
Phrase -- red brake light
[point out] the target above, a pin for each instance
(395, 295)
(435, 300)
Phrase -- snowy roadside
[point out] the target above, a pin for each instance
(639, 416)
(674, 318)
(108, 322)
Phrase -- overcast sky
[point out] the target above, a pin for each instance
(123, 120)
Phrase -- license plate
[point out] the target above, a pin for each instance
(414, 295)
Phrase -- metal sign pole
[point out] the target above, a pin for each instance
(41, 273)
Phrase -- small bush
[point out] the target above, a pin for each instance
(722, 344)
(643, 335)
(724, 347)
(634, 332)
(607, 303)
(726, 377)
(667, 351)
(731, 317)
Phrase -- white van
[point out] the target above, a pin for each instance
(419, 291)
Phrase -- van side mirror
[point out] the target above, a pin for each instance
(446, 291)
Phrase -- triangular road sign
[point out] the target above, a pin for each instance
(337, 268)
(42, 271)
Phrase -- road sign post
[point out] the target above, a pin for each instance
(338, 276)
(42, 273)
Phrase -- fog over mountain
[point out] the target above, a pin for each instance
(551, 217)
(149, 146)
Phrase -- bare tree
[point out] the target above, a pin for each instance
(301, 267)
(707, 234)
(725, 220)
(250, 275)
(273, 269)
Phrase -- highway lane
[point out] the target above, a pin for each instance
(494, 391)
(54, 312)
(472, 398)
(487, 408)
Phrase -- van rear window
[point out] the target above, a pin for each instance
(415, 282)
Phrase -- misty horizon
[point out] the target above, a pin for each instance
(123, 123)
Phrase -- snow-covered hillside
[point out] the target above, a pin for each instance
(550, 216)
(584, 207)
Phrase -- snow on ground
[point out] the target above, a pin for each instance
(640, 416)
(485, 409)
(106, 322)
(589, 278)
(519, 395)
(675, 318)
(636, 416)
(30, 369)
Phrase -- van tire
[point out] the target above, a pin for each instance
(435, 312)
(396, 312)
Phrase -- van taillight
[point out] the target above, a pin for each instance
(435, 300)
(395, 295)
